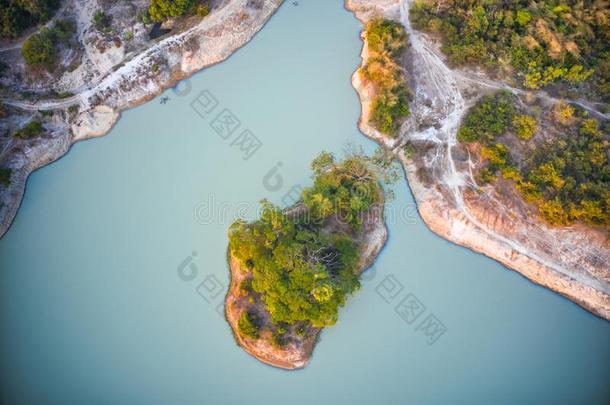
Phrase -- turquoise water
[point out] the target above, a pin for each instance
(93, 310)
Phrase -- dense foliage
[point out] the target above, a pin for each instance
(525, 126)
(568, 179)
(5, 176)
(19, 15)
(345, 189)
(386, 41)
(489, 119)
(41, 47)
(302, 272)
(101, 21)
(161, 10)
(541, 42)
(248, 325)
(32, 129)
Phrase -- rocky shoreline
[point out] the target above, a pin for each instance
(571, 261)
(131, 83)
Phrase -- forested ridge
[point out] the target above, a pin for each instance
(538, 43)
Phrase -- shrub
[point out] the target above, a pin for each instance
(525, 126)
(160, 10)
(497, 155)
(101, 21)
(39, 48)
(248, 325)
(202, 10)
(144, 17)
(246, 285)
(278, 339)
(63, 30)
(31, 130)
(409, 150)
(300, 330)
(5, 176)
(553, 212)
(488, 119)
(64, 94)
(564, 113)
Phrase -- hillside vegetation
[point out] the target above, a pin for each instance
(567, 177)
(539, 43)
(386, 41)
(41, 48)
(161, 10)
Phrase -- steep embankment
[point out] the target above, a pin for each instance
(126, 83)
(569, 260)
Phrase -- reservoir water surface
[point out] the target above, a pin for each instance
(113, 274)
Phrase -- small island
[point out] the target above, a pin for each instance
(293, 268)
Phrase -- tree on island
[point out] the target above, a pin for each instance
(301, 271)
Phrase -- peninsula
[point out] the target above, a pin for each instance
(509, 160)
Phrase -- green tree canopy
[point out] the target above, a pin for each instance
(160, 10)
(302, 271)
(39, 48)
(19, 15)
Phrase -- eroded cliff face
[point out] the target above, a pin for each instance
(113, 75)
(572, 261)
